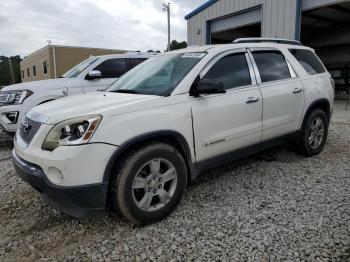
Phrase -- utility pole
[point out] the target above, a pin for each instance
(11, 71)
(166, 8)
(54, 57)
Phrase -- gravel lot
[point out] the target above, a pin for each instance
(294, 208)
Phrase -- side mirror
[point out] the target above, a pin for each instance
(208, 86)
(93, 74)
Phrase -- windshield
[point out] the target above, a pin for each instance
(158, 75)
(75, 71)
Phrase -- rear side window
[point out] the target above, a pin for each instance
(136, 61)
(272, 65)
(308, 60)
(232, 71)
(112, 68)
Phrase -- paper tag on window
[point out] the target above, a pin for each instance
(194, 55)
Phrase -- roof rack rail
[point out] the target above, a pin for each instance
(140, 53)
(267, 40)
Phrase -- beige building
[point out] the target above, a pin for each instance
(52, 61)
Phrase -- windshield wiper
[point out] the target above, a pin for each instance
(126, 91)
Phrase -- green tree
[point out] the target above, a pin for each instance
(174, 45)
(5, 77)
(5, 72)
(16, 66)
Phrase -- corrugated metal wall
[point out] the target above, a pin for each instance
(279, 18)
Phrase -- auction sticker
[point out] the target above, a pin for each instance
(194, 55)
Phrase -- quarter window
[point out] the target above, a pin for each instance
(308, 60)
(232, 71)
(272, 65)
(112, 68)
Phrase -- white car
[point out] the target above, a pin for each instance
(134, 148)
(95, 73)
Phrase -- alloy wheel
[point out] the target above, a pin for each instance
(154, 184)
(316, 133)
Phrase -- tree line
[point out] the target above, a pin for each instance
(174, 45)
(10, 70)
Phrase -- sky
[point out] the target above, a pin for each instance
(26, 25)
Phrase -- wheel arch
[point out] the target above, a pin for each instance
(322, 104)
(172, 138)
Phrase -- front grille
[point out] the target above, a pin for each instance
(28, 129)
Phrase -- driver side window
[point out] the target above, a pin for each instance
(112, 68)
(231, 70)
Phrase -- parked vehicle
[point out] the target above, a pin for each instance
(133, 149)
(96, 72)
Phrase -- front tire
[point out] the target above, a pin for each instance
(148, 183)
(314, 133)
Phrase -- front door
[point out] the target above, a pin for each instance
(226, 122)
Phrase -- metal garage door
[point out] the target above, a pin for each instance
(232, 22)
(311, 4)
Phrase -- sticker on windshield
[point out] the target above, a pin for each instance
(194, 55)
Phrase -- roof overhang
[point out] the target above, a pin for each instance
(200, 8)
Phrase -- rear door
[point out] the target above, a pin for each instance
(111, 69)
(282, 92)
(225, 122)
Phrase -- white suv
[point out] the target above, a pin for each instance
(90, 75)
(134, 148)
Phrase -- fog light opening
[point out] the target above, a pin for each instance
(12, 117)
(54, 175)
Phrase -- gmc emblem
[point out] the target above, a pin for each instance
(26, 128)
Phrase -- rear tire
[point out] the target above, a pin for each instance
(148, 183)
(314, 133)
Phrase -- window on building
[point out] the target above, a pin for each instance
(272, 65)
(232, 71)
(34, 71)
(308, 60)
(28, 73)
(22, 74)
(112, 68)
(136, 61)
(45, 67)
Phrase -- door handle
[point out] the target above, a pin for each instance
(65, 91)
(297, 90)
(252, 100)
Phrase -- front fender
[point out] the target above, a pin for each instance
(118, 129)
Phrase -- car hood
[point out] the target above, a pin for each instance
(102, 103)
(51, 83)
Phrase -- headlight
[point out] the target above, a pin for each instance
(14, 97)
(75, 131)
